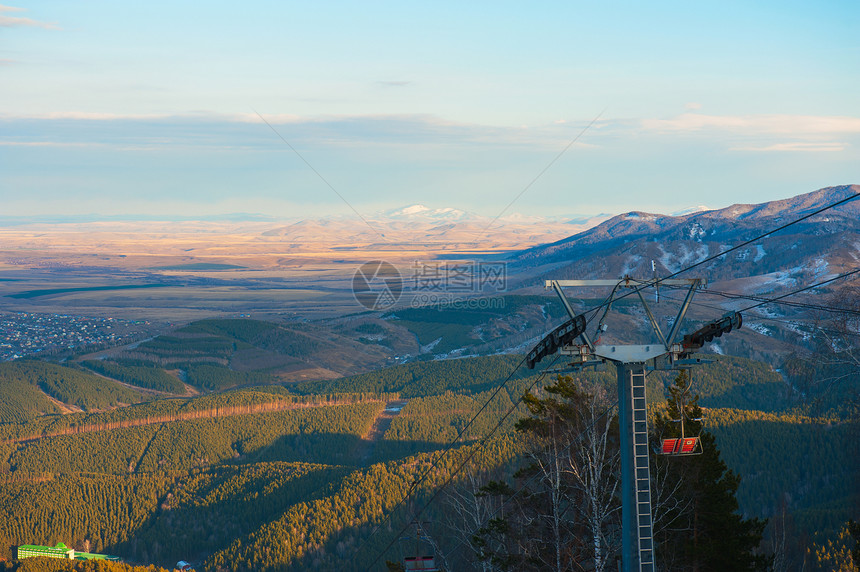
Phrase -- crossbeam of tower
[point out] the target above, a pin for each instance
(631, 362)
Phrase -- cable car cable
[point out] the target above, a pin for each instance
(723, 253)
(448, 448)
(799, 290)
(536, 475)
(783, 320)
(733, 296)
(594, 310)
(460, 467)
(439, 457)
(733, 248)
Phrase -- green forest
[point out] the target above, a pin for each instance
(182, 452)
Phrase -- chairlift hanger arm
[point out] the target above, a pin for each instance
(570, 312)
(681, 313)
(653, 320)
(638, 286)
(607, 306)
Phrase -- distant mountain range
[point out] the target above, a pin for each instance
(449, 214)
(417, 223)
(823, 245)
(415, 212)
(10, 221)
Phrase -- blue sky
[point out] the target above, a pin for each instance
(120, 107)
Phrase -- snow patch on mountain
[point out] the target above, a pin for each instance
(639, 216)
(787, 278)
(429, 347)
(631, 264)
(745, 253)
(685, 257)
(758, 327)
(803, 333)
(820, 268)
(691, 210)
(696, 231)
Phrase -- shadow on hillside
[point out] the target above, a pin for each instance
(206, 509)
(769, 397)
(339, 449)
(810, 465)
(323, 448)
(209, 509)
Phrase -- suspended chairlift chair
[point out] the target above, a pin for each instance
(685, 444)
(419, 551)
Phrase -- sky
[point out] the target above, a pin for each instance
(298, 109)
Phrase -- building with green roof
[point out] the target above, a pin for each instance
(59, 551)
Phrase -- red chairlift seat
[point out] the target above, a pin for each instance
(684, 446)
(425, 563)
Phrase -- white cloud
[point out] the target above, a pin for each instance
(419, 128)
(757, 124)
(275, 118)
(394, 83)
(16, 21)
(797, 146)
(693, 106)
(83, 115)
(47, 144)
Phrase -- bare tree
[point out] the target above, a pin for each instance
(844, 325)
(468, 508)
(784, 541)
(563, 515)
(834, 351)
(594, 464)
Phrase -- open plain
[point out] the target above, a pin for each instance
(182, 271)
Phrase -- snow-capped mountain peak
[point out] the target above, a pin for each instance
(418, 210)
(410, 210)
(691, 210)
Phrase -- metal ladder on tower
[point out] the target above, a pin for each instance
(642, 471)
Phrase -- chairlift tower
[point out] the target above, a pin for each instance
(632, 363)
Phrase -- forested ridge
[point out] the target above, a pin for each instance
(782, 456)
(273, 477)
(137, 374)
(91, 423)
(25, 386)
